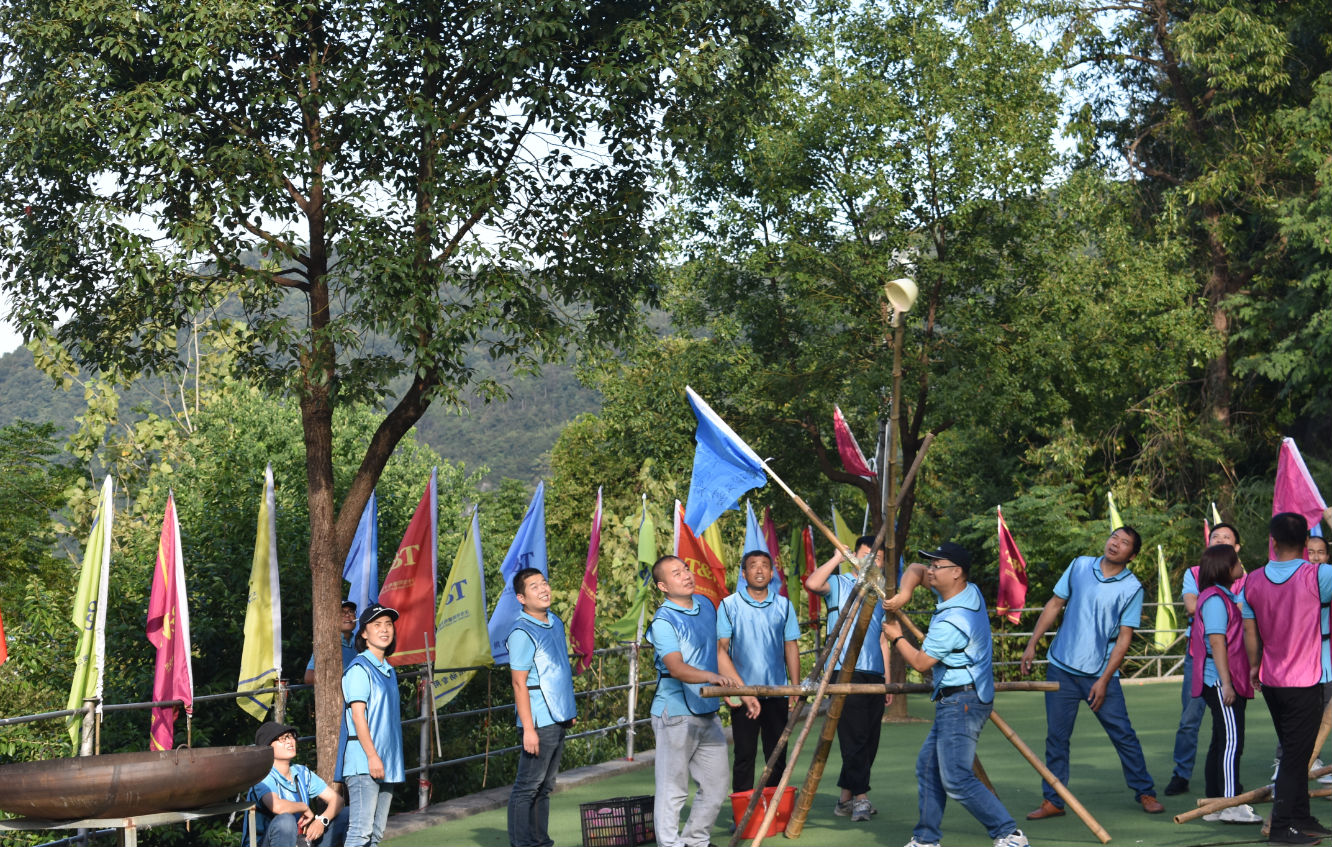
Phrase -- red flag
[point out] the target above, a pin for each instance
(585, 608)
(770, 536)
(1295, 490)
(709, 575)
(810, 567)
(409, 586)
(1207, 534)
(169, 631)
(852, 458)
(4, 644)
(1012, 574)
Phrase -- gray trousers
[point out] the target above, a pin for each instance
(688, 746)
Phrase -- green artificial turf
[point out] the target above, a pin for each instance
(1096, 780)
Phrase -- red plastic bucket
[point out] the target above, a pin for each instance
(740, 802)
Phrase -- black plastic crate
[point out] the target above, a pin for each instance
(618, 822)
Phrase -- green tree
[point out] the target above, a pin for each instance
(441, 174)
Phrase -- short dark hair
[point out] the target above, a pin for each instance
(656, 566)
(1317, 538)
(521, 577)
(1288, 530)
(1229, 526)
(744, 560)
(1133, 535)
(865, 541)
(1216, 565)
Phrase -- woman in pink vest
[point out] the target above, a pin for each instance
(1221, 674)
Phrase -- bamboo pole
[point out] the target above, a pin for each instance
(862, 688)
(1059, 787)
(1208, 805)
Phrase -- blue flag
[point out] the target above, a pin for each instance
(528, 550)
(362, 566)
(755, 540)
(724, 468)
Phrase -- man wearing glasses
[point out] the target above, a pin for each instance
(348, 650)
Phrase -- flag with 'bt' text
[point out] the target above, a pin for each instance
(261, 657)
(1166, 623)
(528, 550)
(409, 586)
(724, 468)
(853, 459)
(1295, 490)
(169, 631)
(89, 614)
(709, 574)
(460, 622)
(1012, 574)
(582, 637)
(630, 627)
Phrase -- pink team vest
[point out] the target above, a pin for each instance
(1238, 659)
(1288, 621)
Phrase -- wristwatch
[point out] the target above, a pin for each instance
(323, 820)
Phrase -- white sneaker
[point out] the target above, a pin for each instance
(1326, 778)
(1012, 839)
(1242, 813)
(1276, 766)
(914, 843)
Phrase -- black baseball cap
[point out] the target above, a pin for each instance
(347, 604)
(955, 553)
(271, 731)
(375, 611)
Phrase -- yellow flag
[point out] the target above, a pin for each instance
(1115, 522)
(261, 659)
(461, 638)
(89, 615)
(843, 533)
(712, 538)
(1166, 622)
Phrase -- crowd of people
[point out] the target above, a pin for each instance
(1265, 631)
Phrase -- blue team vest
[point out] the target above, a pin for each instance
(870, 659)
(758, 638)
(551, 662)
(697, 635)
(976, 656)
(1091, 618)
(383, 712)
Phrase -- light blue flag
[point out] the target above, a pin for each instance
(724, 468)
(362, 566)
(528, 550)
(755, 540)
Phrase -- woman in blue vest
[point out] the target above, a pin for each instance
(957, 647)
(372, 759)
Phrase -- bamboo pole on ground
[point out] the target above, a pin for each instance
(1208, 805)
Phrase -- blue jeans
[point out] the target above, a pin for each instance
(367, 809)
(529, 802)
(1191, 711)
(1061, 712)
(282, 832)
(943, 769)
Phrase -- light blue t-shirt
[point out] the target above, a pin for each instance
(1213, 614)
(1279, 572)
(700, 624)
(758, 631)
(373, 681)
(523, 657)
(944, 638)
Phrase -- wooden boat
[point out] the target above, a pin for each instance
(127, 784)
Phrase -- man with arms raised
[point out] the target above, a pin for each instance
(1104, 605)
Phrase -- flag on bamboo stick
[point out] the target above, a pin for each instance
(460, 621)
(582, 628)
(1295, 490)
(844, 534)
(709, 574)
(630, 627)
(811, 565)
(1012, 574)
(528, 550)
(89, 614)
(853, 460)
(770, 535)
(261, 657)
(361, 569)
(409, 586)
(754, 540)
(168, 630)
(1115, 521)
(1166, 622)
(4, 642)
(724, 468)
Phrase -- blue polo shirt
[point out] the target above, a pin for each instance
(1214, 619)
(699, 625)
(1097, 607)
(870, 659)
(348, 655)
(303, 785)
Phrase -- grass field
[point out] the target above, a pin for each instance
(1096, 780)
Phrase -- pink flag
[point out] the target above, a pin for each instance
(169, 630)
(1295, 490)
(1012, 575)
(852, 459)
(4, 644)
(409, 586)
(770, 536)
(585, 608)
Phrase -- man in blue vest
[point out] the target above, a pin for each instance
(1104, 606)
(862, 714)
(544, 697)
(283, 814)
(690, 742)
(758, 629)
(958, 649)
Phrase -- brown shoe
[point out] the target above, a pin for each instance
(1046, 810)
(1150, 804)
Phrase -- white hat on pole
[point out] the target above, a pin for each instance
(901, 294)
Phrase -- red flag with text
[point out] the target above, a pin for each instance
(1012, 575)
(169, 631)
(807, 536)
(709, 575)
(582, 627)
(409, 586)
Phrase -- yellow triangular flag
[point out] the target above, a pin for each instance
(461, 637)
(261, 658)
(1166, 622)
(1115, 522)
